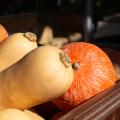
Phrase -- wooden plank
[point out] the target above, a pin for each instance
(20, 22)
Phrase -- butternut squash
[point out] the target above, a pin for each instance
(40, 76)
(33, 115)
(47, 36)
(13, 114)
(15, 47)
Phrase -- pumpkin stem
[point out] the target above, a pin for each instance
(30, 36)
(76, 66)
(65, 59)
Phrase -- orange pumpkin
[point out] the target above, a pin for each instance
(93, 73)
(3, 33)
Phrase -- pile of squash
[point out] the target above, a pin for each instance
(31, 75)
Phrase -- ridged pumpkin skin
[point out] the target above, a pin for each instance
(95, 74)
(3, 33)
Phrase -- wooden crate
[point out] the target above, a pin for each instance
(21, 22)
(94, 108)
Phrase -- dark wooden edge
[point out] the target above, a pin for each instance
(20, 22)
(34, 21)
(98, 107)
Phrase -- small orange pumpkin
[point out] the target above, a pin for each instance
(93, 73)
(3, 33)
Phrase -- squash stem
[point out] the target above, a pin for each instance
(65, 59)
(76, 66)
(30, 36)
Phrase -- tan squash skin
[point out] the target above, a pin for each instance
(15, 47)
(33, 115)
(46, 36)
(38, 77)
(13, 114)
